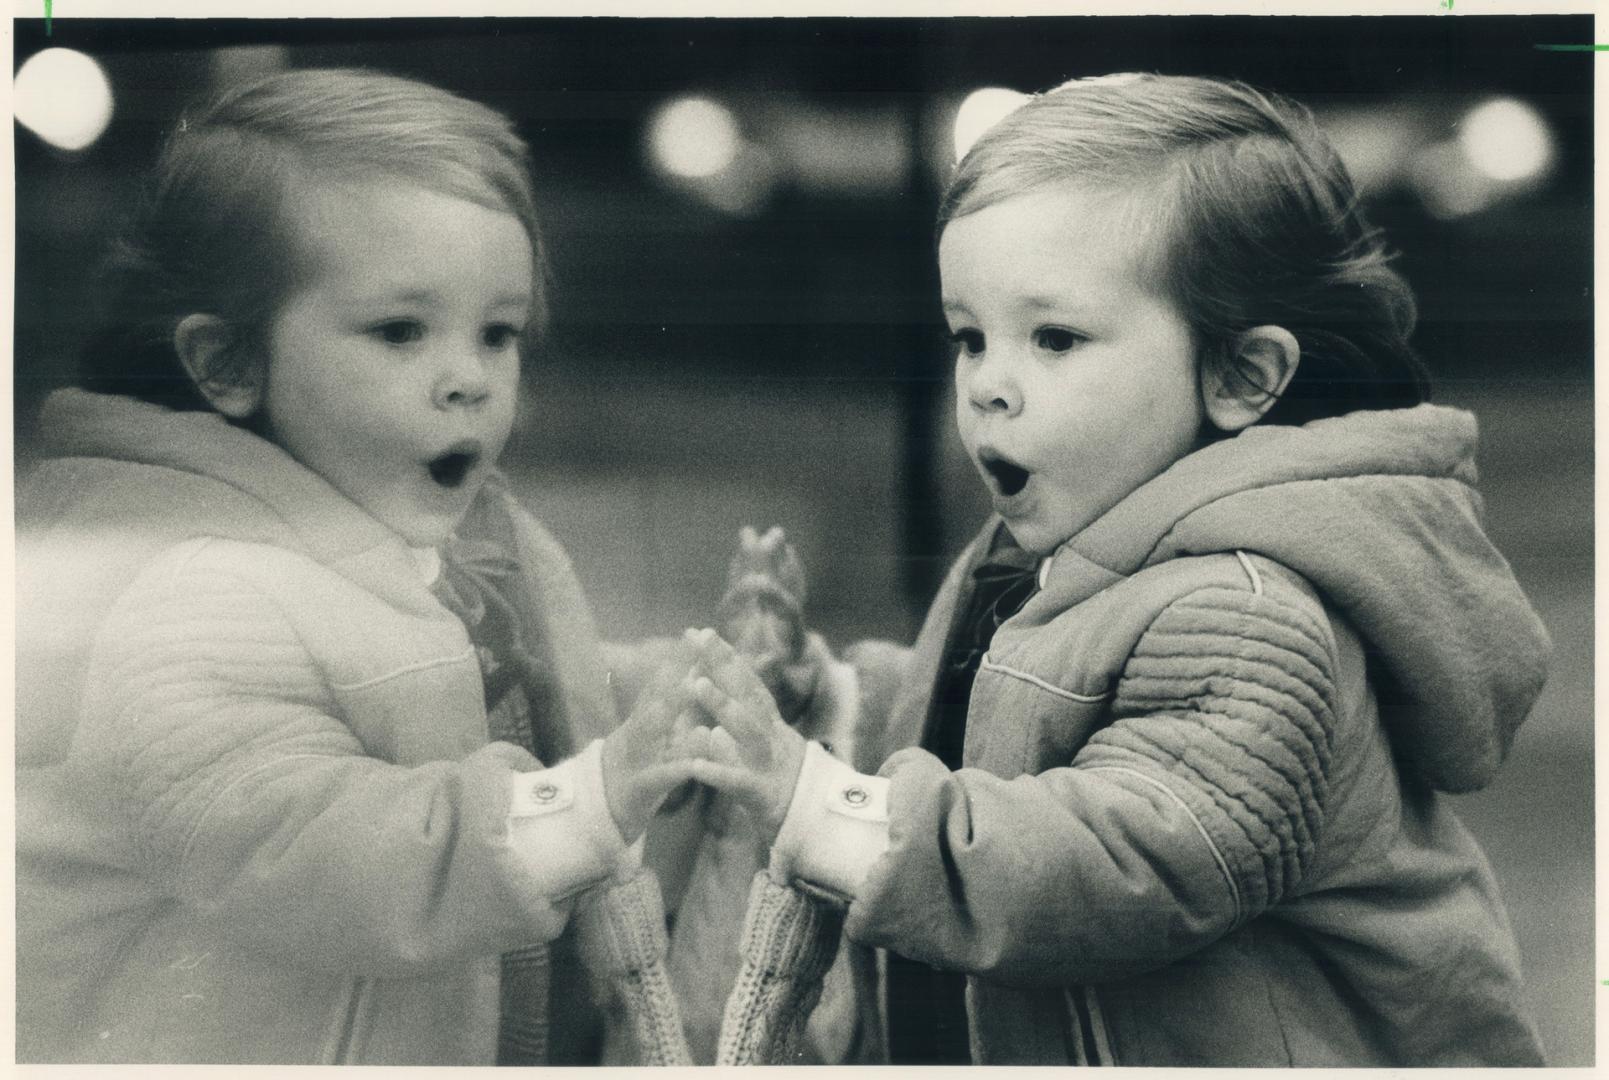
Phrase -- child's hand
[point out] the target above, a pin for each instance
(653, 752)
(753, 756)
(762, 615)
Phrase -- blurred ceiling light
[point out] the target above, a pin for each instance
(744, 189)
(63, 97)
(693, 137)
(982, 110)
(1447, 185)
(834, 149)
(1506, 140)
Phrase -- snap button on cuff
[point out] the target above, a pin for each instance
(855, 795)
(537, 794)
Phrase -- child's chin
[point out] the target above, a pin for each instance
(425, 531)
(1034, 541)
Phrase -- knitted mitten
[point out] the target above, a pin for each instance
(789, 942)
(622, 929)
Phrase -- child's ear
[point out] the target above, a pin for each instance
(1261, 363)
(203, 343)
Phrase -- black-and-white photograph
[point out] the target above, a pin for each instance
(915, 540)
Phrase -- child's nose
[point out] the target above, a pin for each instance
(463, 382)
(993, 388)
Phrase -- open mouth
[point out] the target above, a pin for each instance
(1008, 476)
(452, 468)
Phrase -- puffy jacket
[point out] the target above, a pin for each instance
(258, 816)
(1198, 820)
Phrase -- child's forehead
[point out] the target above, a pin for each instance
(1103, 236)
(385, 226)
(330, 203)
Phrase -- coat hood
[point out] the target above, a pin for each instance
(1378, 510)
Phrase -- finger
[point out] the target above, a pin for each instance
(737, 782)
(691, 741)
(721, 749)
(668, 682)
(734, 673)
(747, 536)
(657, 781)
(743, 723)
(653, 786)
(728, 713)
(697, 743)
(701, 716)
(727, 668)
(679, 731)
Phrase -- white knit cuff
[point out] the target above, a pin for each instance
(836, 826)
(559, 825)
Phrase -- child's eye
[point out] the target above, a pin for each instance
(968, 341)
(500, 336)
(1056, 339)
(400, 331)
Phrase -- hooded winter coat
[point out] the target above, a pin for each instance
(1198, 821)
(258, 815)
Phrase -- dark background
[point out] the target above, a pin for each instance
(784, 364)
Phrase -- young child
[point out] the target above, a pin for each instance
(1181, 713)
(296, 674)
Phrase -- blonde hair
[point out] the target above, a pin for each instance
(212, 235)
(1244, 216)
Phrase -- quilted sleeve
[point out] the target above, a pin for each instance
(248, 800)
(1198, 807)
(1228, 703)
